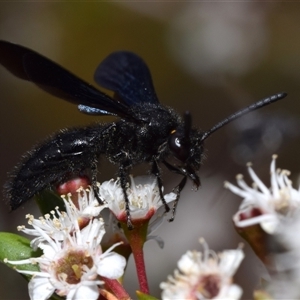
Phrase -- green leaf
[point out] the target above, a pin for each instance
(142, 296)
(16, 247)
(47, 201)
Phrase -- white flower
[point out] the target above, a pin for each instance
(88, 205)
(143, 195)
(204, 275)
(71, 267)
(114, 231)
(57, 223)
(262, 205)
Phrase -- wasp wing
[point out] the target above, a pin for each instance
(54, 79)
(128, 76)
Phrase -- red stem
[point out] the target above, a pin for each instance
(115, 286)
(136, 238)
(138, 255)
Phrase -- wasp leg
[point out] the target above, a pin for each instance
(95, 188)
(177, 190)
(156, 172)
(124, 179)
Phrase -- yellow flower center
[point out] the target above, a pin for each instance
(70, 267)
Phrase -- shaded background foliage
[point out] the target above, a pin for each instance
(209, 58)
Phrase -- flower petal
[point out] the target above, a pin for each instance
(40, 288)
(231, 260)
(82, 291)
(111, 265)
(231, 293)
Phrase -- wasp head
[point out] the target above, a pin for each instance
(186, 146)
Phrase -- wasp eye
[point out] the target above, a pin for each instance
(179, 146)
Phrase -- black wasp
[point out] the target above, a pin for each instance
(146, 132)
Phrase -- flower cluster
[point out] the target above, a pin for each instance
(73, 263)
(75, 266)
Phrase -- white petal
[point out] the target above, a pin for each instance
(234, 292)
(154, 224)
(259, 183)
(261, 219)
(111, 265)
(48, 251)
(270, 226)
(236, 190)
(188, 262)
(89, 292)
(93, 211)
(170, 197)
(157, 239)
(231, 260)
(40, 288)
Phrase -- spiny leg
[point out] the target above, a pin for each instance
(95, 188)
(155, 171)
(123, 174)
(177, 190)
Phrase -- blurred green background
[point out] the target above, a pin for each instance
(211, 58)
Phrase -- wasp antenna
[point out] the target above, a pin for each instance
(238, 114)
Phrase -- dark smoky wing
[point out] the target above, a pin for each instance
(54, 79)
(11, 57)
(128, 76)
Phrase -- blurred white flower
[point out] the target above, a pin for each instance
(213, 39)
(204, 275)
(262, 205)
(285, 279)
(218, 39)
